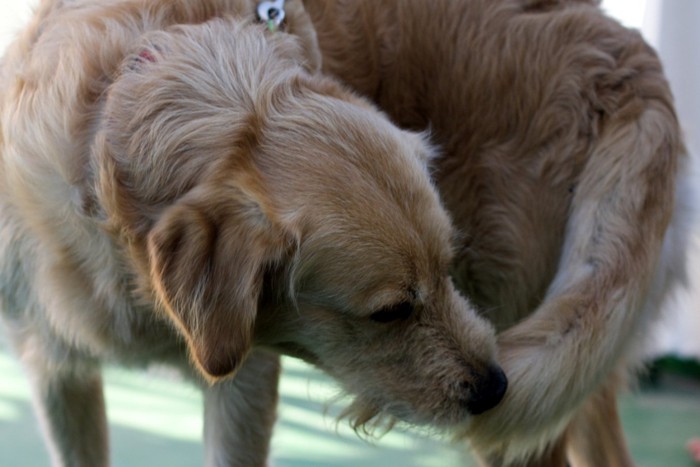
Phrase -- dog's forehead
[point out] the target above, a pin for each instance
(356, 281)
(369, 266)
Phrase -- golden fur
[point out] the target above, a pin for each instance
(561, 149)
(176, 180)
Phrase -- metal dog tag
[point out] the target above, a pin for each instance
(271, 13)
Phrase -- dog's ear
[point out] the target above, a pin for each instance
(208, 253)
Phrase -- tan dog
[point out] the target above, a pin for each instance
(561, 152)
(173, 162)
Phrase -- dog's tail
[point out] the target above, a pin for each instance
(594, 309)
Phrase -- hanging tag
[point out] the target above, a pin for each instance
(271, 13)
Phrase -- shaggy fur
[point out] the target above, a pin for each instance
(177, 180)
(561, 149)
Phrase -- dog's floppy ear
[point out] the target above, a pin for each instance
(208, 253)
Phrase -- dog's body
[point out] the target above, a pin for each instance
(175, 180)
(561, 150)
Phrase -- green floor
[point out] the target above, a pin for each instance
(155, 421)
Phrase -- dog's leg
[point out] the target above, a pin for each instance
(239, 414)
(69, 402)
(596, 437)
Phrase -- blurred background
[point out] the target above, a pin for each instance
(155, 419)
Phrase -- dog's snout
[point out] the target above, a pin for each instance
(487, 391)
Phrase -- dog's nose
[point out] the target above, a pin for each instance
(488, 391)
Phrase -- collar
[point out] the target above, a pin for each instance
(271, 12)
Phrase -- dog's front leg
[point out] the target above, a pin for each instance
(239, 414)
(69, 402)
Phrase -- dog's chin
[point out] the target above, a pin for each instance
(370, 420)
(367, 419)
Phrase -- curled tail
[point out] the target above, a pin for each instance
(594, 310)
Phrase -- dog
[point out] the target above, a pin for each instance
(561, 153)
(180, 185)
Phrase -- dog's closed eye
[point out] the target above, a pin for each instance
(396, 312)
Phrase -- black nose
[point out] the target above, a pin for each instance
(488, 391)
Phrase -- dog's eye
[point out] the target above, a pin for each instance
(399, 311)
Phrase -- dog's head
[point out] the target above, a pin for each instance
(266, 206)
